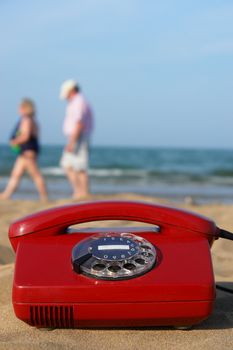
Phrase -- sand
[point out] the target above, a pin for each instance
(214, 333)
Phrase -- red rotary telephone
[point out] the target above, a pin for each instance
(144, 276)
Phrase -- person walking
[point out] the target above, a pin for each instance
(24, 141)
(77, 127)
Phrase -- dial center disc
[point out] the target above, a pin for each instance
(113, 248)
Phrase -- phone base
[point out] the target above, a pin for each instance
(183, 328)
(107, 315)
(179, 290)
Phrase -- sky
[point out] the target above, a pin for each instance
(157, 73)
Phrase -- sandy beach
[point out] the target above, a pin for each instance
(214, 333)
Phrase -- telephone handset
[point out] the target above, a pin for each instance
(55, 221)
(144, 276)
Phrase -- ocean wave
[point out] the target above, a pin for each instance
(102, 172)
(223, 172)
(54, 171)
(217, 177)
(119, 174)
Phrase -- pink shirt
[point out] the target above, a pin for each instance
(78, 110)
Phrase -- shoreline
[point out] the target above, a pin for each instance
(60, 190)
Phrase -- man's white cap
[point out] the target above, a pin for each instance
(66, 87)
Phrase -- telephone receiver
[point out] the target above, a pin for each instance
(56, 221)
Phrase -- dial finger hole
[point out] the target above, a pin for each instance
(144, 254)
(129, 266)
(144, 246)
(147, 255)
(98, 267)
(114, 268)
(140, 261)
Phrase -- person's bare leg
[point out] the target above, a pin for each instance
(16, 174)
(34, 172)
(72, 177)
(83, 185)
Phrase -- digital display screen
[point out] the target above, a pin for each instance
(114, 247)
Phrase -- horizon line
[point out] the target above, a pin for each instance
(133, 146)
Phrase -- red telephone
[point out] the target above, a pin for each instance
(144, 276)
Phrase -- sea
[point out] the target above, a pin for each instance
(177, 174)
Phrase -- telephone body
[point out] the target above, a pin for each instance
(159, 275)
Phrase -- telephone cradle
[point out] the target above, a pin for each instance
(155, 275)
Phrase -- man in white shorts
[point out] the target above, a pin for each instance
(78, 125)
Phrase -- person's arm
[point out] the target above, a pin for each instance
(70, 147)
(25, 132)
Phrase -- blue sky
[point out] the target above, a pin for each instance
(158, 73)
